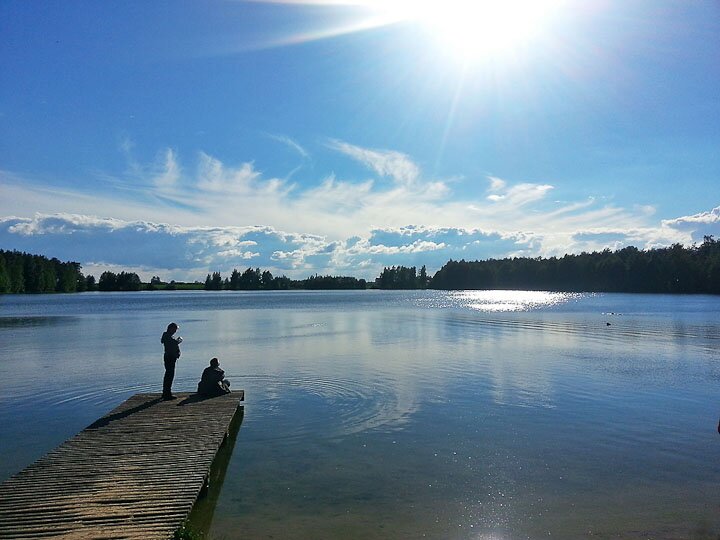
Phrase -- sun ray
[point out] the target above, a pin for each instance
(469, 30)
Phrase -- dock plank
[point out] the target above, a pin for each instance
(134, 473)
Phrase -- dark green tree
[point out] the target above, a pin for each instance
(108, 281)
(400, 277)
(422, 278)
(250, 280)
(214, 282)
(16, 270)
(4, 276)
(90, 284)
(128, 281)
(266, 281)
(235, 280)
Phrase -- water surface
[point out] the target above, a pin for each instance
(375, 414)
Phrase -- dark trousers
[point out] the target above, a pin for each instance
(169, 375)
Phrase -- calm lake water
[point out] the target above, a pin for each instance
(414, 414)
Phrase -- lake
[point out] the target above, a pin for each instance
(409, 414)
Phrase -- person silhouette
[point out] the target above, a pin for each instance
(213, 382)
(172, 353)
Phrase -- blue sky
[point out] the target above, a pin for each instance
(177, 138)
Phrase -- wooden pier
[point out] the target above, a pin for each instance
(135, 473)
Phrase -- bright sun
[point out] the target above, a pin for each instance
(475, 29)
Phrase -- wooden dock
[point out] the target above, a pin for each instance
(135, 473)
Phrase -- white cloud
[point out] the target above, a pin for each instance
(696, 226)
(390, 163)
(237, 254)
(419, 246)
(690, 222)
(519, 194)
(213, 176)
(333, 196)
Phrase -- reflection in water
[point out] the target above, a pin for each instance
(493, 301)
(30, 321)
(301, 407)
(503, 414)
(201, 516)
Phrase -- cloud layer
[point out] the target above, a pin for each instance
(181, 221)
(187, 253)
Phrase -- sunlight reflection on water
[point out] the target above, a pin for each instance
(495, 301)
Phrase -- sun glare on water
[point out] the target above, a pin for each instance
(502, 300)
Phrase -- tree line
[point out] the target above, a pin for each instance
(674, 269)
(124, 281)
(22, 272)
(254, 279)
(402, 277)
(26, 273)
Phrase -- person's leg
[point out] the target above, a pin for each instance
(169, 376)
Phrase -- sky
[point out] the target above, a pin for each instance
(339, 137)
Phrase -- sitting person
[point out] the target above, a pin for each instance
(213, 382)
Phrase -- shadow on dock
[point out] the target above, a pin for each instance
(195, 398)
(105, 420)
(189, 400)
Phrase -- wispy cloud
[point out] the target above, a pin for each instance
(214, 177)
(519, 194)
(291, 143)
(388, 163)
(169, 174)
(496, 184)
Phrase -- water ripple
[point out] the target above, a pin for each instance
(299, 407)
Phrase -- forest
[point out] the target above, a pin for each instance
(675, 269)
(25, 273)
(28, 273)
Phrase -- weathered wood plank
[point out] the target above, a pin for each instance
(134, 473)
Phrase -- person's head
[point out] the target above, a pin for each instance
(172, 327)
(214, 362)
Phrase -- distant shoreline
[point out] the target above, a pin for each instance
(670, 270)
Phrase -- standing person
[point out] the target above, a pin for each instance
(172, 353)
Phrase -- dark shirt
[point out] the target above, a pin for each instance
(212, 375)
(209, 383)
(172, 347)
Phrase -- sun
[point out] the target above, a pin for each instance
(471, 30)
(467, 31)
